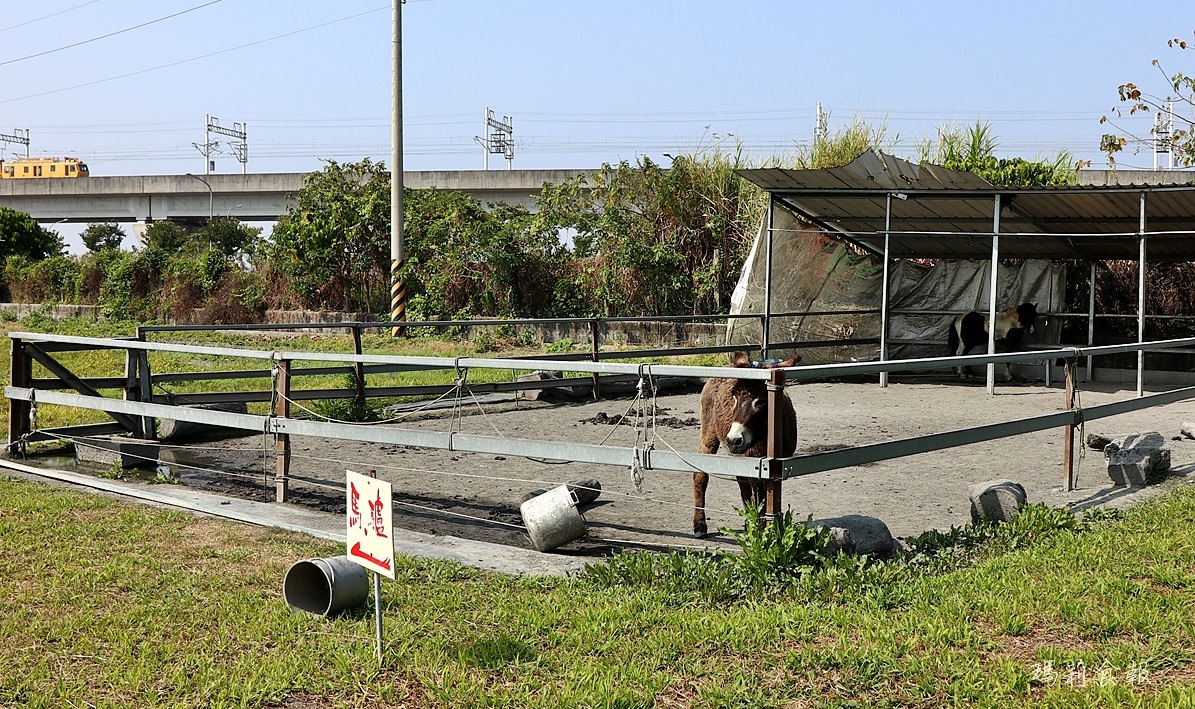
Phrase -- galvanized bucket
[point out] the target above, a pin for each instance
(552, 519)
(325, 586)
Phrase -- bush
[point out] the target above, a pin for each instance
(777, 552)
(57, 279)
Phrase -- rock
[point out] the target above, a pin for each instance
(586, 490)
(537, 394)
(1137, 459)
(1187, 429)
(857, 534)
(176, 431)
(996, 500)
(568, 393)
(1096, 442)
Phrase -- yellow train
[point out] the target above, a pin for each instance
(40, 168)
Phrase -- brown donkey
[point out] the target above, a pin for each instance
(734, 413)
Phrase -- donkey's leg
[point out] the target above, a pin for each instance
(753, 492)
(701, 481)
(707, 443)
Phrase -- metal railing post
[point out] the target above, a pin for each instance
(20, 374)
(773, 501)
(281, 409)
(1068, 442)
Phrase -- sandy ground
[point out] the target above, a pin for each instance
(477, 496)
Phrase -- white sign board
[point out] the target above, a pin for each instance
(369, 521)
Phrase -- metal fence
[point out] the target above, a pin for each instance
(136, 410)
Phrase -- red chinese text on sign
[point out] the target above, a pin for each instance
(369, 543)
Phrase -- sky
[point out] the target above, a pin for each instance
(125, 85)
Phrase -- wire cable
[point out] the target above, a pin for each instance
(110, 34)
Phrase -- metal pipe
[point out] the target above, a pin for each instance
(767, 283)
(1141, 300)
(884, 287)
(992, 295)
(1091, 322)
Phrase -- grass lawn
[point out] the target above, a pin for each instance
(104, 603)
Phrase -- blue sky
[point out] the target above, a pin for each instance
(585, 82)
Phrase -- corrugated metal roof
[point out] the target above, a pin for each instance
(949, 214)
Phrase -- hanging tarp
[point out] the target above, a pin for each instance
(813, 271)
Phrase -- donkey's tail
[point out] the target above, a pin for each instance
(952, 338)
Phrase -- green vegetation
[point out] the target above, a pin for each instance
(108, 604)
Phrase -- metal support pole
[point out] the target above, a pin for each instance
(1068, 442)
(282, 440)
(884, 288)
(594, 335)
(767, 285)
(1141, 300)
(773, 501)
(1091, 322)
(377, 600)
(992, 295)
(398, 287)
(358, 369)
(20, 374)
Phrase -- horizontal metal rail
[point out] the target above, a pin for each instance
(874, 452)
(460, 363)
(579, 452)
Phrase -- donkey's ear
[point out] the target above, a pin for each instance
(740, 359)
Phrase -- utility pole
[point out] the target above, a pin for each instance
(398, 287)
(819, 125)
(500, 141)
(208, 146)
(20, 136)
(240, 146)
(1162, 131)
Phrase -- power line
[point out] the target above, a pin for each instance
(193, 59)
(46, 17)
(110, 34)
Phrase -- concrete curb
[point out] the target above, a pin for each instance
(482, 555)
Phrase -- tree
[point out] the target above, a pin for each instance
(466, 260)
(333, 244)
(20, 235)
(1182, 135)
(165, 236)
(656, 241)
(99, 237)
(228, 236)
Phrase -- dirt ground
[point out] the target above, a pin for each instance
(477, 496)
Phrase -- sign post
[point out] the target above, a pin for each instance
(369, 517)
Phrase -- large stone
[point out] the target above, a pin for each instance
(996, 500)
(1187, 429)
(1137, 459)
(857, 534)
(129, 452)
(552, 393)
(585, 490)
(178, 431)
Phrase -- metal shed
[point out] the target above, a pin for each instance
(897, 209)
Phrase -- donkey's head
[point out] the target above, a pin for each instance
(747, 403)
(1026, 317)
